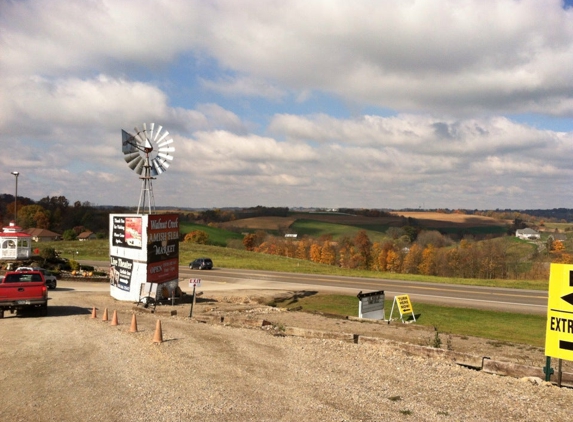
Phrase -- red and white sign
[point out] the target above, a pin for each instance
(194, 282)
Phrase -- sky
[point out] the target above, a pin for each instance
(364, 104)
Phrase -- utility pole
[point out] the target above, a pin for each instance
(15, 173)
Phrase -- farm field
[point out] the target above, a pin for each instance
(437, 219)
(432, 220)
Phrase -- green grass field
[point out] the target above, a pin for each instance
(217, 237)
(501, 326)
(316, 229)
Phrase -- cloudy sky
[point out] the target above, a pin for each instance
(374, 104)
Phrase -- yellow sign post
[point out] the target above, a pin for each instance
(404, 306)
(559, 331)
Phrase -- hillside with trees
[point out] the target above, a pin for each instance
(447, 243)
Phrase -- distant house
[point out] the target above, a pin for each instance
(527, 234)
(42, 235)
(562, 237)
(87, 235)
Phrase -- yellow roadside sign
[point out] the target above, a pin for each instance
(559, 331)
(404, 304)
(404, 307)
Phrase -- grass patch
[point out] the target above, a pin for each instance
(98, 250)
(217, 236)
(316, 229)
(498, 326)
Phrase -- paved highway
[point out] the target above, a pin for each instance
(501, 299)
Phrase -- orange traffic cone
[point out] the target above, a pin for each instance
(94, 313)
(114, 319)
(105, 318)
(158, 336)
(133, 328)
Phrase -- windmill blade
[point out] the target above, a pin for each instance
(139, 167)
(144, 136)
(151, 126)
(166, 149)
(165, 156)
(162, 137)
(140, 136)
(132, 156)
(157, 168)
(133, 160)
(158, 132)
(164, 165)
(167, 142)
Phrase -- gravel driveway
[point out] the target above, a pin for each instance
(70, 367)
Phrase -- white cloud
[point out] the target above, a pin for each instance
(243, 86)
(254, 95)
(423, 55)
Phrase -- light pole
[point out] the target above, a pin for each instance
(15, 173)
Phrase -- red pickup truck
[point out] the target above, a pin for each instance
(20, 290)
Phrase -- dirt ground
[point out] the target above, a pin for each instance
(70, 366)
(252, 304)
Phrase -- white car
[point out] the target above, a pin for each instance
(50, 278)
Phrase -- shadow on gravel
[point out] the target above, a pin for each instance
(198, 299)
(58, 311)
(53, 311)
(293, 297)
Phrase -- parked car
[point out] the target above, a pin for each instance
(21, 290)
(201, 264)
(50, 278)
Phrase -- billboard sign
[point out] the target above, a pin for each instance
(144, 248)
(127, 232)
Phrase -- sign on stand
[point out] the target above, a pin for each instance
(559, 331)
(371, 305)
(193, 282)
(404, 306)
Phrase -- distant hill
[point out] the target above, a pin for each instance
(423, 220)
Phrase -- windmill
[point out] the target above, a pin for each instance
(148, 153)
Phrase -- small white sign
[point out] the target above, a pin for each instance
(194, 282)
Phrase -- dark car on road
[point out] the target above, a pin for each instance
(201, 264)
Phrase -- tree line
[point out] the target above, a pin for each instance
(430, 254)
(57, 214)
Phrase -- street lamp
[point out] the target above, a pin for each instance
(15, 173)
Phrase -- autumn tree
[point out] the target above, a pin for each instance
(427, 265)
(558, 246)
(328, 254)
(197, 236)
(302, 249)
(393, 261)
(433, 237)
(382, 258)
(493, 256)
(315, 252)
(363, 247)
(249, 241)
(33, 216)
(412, 259)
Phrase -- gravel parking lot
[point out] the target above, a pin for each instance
(69, 367)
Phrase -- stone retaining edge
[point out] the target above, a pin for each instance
(480, 363)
